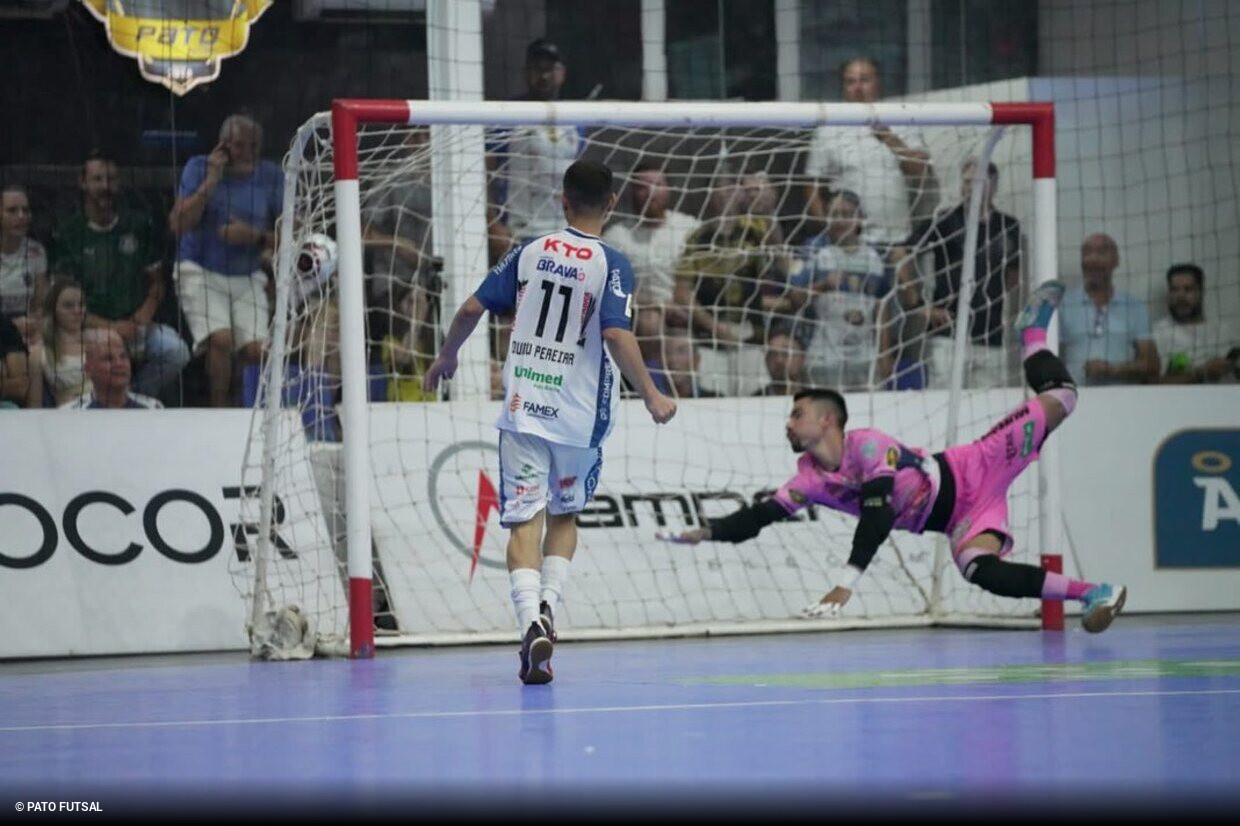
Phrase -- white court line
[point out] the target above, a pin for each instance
(414, 715)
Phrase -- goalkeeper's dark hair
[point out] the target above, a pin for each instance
(822, 395)
(587, 186)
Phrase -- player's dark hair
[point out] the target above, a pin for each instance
(829, 397)
(1192, 269)
(587, 186)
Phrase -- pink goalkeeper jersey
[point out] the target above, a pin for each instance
(868, 454)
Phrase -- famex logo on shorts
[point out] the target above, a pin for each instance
(1197, 500)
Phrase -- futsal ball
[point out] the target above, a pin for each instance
(316, 258)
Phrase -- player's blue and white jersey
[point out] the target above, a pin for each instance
(565, 288)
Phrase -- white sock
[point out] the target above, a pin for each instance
(525, 582)
(554, 575)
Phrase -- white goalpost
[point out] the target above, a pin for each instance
(407, 547)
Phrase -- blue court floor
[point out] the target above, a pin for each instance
(1148, 713)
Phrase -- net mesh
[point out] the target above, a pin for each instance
(767, 260)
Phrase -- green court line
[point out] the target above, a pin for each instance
(1043, 673)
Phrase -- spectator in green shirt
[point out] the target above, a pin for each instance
(110, 250)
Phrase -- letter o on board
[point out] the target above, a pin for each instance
(150, 524)
(50, 534)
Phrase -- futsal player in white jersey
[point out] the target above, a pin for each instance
(570, 294)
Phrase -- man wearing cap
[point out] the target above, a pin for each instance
(528, 163)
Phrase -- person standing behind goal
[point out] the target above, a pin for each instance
(569, 294)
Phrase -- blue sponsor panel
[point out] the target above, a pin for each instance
(1197, 500)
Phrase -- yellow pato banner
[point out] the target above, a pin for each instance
(179, 43)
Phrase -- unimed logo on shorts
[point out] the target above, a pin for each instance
(1197, 500)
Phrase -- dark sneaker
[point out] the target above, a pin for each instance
(1102, 603)
(1041, 306)
(536, 651)
(544, 611)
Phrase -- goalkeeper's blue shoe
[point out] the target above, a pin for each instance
(1102, 603)
(1041, 306)
(536, 648)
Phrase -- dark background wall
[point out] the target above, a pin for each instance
(66, 89)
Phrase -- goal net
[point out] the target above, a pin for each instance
(776, 246)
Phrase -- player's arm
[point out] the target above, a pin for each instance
(616, 323)
(622, 345)
(873, 527)
(738, 526)
(498, 295)
(463, 324)
(875, 522)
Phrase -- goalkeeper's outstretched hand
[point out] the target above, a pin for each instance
(684, 537)
(829, 605)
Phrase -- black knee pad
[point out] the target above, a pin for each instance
(1044, 371)
(1006, 579)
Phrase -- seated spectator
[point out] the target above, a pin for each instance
(18, 388)
(729, 263)
(226, 207)
(111, 252)
(410, 348)
(23, 264)
(107, 367)
(60, 356)
(733, 273)
(1104, 333)
(902, 322)
(653, 242)
(1192, 348)
(676, 373)
(997, 273)
(785, 364)
(841, 285)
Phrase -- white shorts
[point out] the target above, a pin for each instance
(535, 473)
(213, 302)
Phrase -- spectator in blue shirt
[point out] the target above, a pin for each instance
(1105, 333)
(224, 218)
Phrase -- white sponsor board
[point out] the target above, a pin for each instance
(117, 529)
(1109, 455)
(433, 490)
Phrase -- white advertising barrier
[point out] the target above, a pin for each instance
(432, 491)
(117, 529)
(1151, 494)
